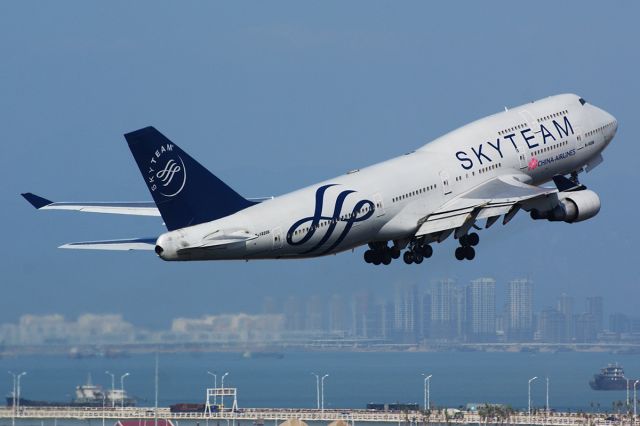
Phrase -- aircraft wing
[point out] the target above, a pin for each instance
(502, 195)
(137, 208)
(128, 244)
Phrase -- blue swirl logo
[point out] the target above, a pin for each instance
(308, 226)
(170, 169)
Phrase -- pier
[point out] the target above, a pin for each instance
(275, 416)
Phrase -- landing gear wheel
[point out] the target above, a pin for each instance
(386, 258)
(460, 253)
(418, 258)
(469, 253)
(464, 240)
(395, 252)
(376, 260)
(427, 251)
(408, 257)
(473, 239)
(368, 256)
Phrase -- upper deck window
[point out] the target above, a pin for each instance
(582, 101)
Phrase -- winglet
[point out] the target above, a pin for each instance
(567, 185)
(36, 201)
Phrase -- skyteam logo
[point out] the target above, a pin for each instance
(167, 173)
(304, 229)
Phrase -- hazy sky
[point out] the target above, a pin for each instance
(272, 96)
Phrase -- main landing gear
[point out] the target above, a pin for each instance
(381, 254)
(417, 253)
(466, 250)
(418, 250)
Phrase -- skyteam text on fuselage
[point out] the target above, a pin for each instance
(486, 170)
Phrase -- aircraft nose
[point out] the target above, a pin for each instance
(611, 122)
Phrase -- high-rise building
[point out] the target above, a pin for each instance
(596, 309)
(443, 310)
(552, 325)
(425, 315)
(565, 307)
(406, 310)
(520, 310)
(361, 312)
(481, 310)
(382, 320)
(314, 320)
(293, 318)
(586, 328)
(460, 312)
(619, 323)
(337, 314)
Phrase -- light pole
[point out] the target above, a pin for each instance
(13, 394)
(19, 376)
(530, 380)
(113, 387)
(427, 385)
(628, 395)
(317, 390)
(547, 404)
(322, 387)
(635, 398)
(222, 384)
(215, 385)
(122, 389)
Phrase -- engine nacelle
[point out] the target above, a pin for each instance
(572, 207)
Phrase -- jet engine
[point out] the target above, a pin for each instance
(572, 207)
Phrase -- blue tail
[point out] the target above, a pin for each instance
(185, 192)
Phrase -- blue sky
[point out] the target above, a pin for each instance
(272, 96)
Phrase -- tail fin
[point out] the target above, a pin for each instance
(185, 192)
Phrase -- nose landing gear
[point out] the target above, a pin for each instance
(466, 250)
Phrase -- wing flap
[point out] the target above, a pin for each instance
(122, 245)
(493, 198)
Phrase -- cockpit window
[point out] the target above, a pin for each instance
(582, 101)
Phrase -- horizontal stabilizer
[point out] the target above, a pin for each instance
(36, 201)
(134, 208)
(129, 244)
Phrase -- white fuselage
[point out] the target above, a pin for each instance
(387, 201)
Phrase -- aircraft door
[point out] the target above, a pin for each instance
(277, 238)
(578, 137)
(377, 200)
(524, 154)
(444, 178)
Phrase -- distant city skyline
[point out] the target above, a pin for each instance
(443, 311)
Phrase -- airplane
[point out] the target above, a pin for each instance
(489, 169)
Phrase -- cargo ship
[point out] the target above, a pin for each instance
(610, 378)
(87, 395)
